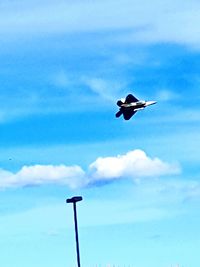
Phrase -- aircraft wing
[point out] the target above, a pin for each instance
(128, 114)
(130, 99)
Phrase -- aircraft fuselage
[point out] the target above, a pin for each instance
(138, 105)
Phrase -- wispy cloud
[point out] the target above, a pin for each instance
(61, 79)
(108, 66)
(106, 89)
(174, 21)
(56, 89)
(135, 164)
(166, 95)
(148, 200)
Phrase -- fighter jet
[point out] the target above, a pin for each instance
(131, 105)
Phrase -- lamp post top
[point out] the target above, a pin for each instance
(74, 199)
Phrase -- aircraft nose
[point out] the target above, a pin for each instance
(151, 102)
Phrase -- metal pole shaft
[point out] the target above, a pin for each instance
(76, 235)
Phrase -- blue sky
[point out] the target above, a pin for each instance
(63, 66)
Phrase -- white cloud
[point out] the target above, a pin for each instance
(135, 164)
(72, 176)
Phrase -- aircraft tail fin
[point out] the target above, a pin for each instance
(119, 103)
(119, 113)
(130, 99)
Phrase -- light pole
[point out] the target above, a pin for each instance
(74, 200)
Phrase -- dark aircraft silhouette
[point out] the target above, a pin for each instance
(131, 105)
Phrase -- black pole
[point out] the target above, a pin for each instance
(76, 235)
(74, 200)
